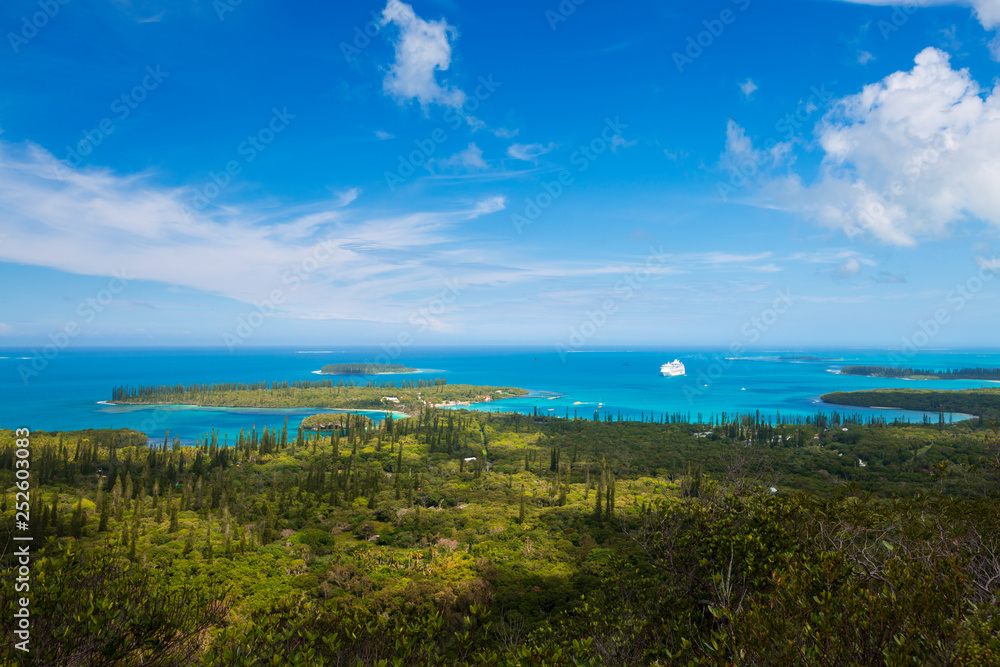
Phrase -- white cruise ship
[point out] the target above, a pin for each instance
(673, 369)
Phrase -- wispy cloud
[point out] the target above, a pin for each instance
(94, 222)
(529, 152)
(382, 135)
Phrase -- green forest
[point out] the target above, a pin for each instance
(365, 369)
(456, 537)
(903, 372)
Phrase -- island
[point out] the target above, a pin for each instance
(982, 403)
(342, 421)
(408, 397)
(903, 373)
(365, 369)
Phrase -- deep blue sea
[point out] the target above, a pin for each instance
(67, 390)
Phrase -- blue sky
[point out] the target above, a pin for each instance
(443, 172)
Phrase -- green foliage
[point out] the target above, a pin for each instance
(95, 607)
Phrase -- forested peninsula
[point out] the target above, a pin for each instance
(982, 403)
(904, 373)
(404, 396)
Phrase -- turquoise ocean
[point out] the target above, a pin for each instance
(66, 391)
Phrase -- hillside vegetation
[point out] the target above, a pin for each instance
(468, 538)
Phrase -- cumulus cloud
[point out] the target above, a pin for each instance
(423, 48)
(907, 158)
(528, 152)
(748, 87)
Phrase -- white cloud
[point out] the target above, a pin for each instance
(6, 329)
(487, 206)
(865, 57)
(345, 197)
(506, 133)
(986, 11)
(423, 48)
(470, 159)
(850, 267)
(908, 158)
(382, 135)
(528, 152)
(748, 87)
